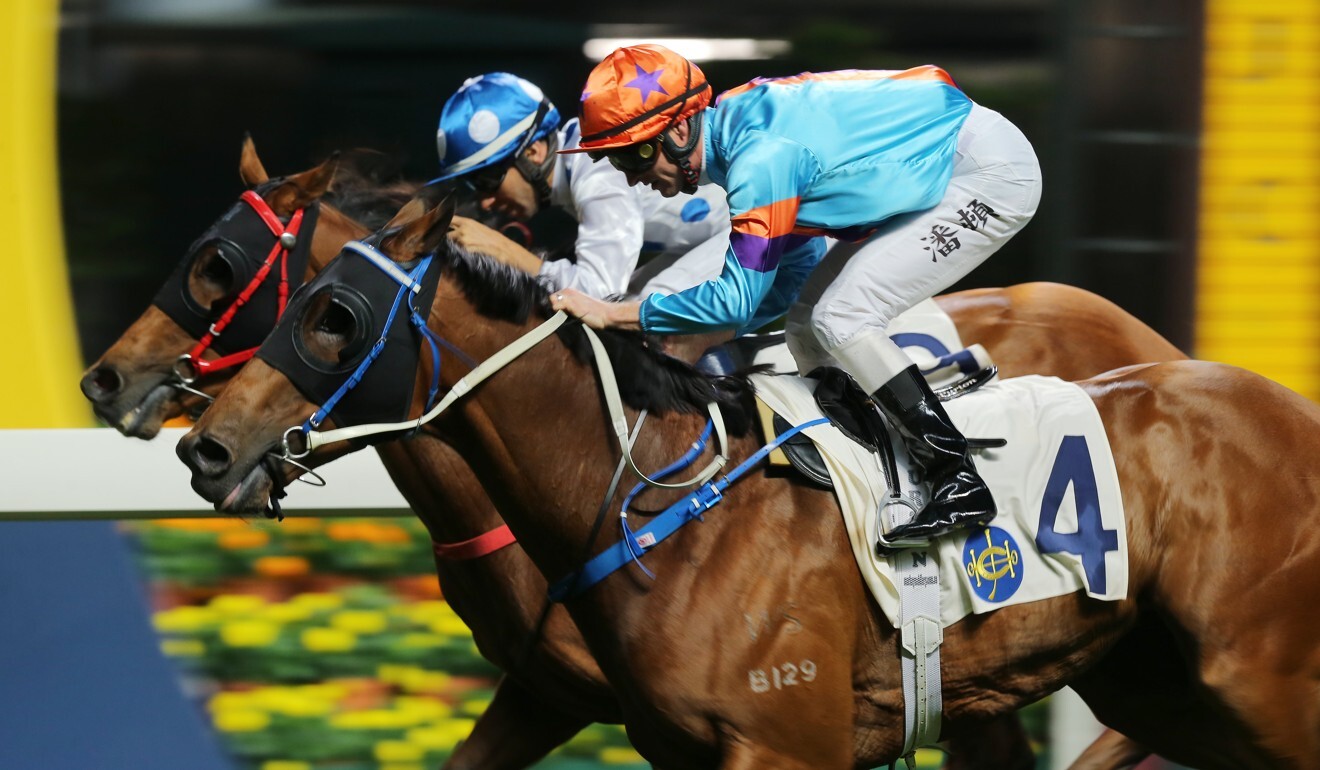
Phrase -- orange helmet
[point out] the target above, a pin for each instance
(636, 93)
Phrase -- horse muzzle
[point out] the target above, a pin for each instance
(219, 480)
(133, 408)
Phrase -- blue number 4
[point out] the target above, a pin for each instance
(1091, 541)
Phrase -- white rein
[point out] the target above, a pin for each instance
(501, 359)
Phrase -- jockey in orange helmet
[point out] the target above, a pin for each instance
(930, 183)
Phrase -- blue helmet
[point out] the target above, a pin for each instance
(491, 118)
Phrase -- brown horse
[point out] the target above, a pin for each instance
(1033, 328)
(1037, 327)
(1194, 444)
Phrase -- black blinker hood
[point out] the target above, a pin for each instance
(244, 241)
(365, 292)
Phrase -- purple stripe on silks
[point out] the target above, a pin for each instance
(761, 254)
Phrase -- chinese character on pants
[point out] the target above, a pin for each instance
(976, 214)
(942, 241)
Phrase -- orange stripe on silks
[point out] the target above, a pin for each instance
(926, 72)
(769, 221)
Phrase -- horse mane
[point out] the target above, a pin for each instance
(648, 378)
(370, 201)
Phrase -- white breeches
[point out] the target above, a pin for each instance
(846, 305)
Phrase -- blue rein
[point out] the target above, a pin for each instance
(408, 285)
(635, 544)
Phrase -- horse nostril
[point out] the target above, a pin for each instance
(101, 383)
(210, 456)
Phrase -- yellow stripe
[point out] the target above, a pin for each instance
(1258, 263)
(38, 343)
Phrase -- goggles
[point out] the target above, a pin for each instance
(485, 181)
(634, 158)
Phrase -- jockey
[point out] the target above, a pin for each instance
(928, 182)
(498, 123)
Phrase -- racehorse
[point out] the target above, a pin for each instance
(1202, 450)
(1035, 327)
(1031, 328)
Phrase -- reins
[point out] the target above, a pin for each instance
(313, 439)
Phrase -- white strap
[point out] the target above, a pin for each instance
(620, 422)
(473, 378)
(918, 574)
(384, 263)
(505, 356)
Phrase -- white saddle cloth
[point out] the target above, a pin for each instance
(1060, 526)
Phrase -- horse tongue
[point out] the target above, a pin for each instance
(242, 488)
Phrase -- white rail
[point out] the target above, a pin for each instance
(95, 473)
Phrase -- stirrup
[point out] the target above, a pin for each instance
(884, 546)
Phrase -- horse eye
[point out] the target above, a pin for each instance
(334, 328)
(337, 320)
(211, 281)
(218, 271)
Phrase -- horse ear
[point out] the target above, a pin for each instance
(304, 189)
(410, 211)
(419, 231)
(250, 169)
(443, 216)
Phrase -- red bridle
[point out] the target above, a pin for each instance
(285, 240)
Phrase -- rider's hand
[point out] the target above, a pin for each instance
(597, 313)
(479, 239)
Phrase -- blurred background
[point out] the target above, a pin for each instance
(1180, 144)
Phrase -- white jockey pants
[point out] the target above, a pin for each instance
(845, 307)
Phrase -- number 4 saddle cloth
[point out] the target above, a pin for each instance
(1060, 525)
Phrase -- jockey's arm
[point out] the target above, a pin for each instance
(765, 178)
(797, 263)
(609, 239)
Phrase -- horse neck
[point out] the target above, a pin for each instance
(440, 488)
(539, 439)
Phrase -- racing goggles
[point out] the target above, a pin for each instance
(486, 180)
(632, 159)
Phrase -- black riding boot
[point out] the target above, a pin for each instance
(959, 499)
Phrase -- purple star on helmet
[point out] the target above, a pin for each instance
(647, 82)
(585, 94)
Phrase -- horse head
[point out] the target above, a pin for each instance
(227, 291)
(361, 320)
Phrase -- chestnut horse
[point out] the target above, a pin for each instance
(1044, 328)
(1204, 451)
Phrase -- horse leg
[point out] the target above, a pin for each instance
(1146, 688)
(1111, 751)
(516, 730)
(998, 743)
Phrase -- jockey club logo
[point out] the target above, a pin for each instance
(993, 563)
